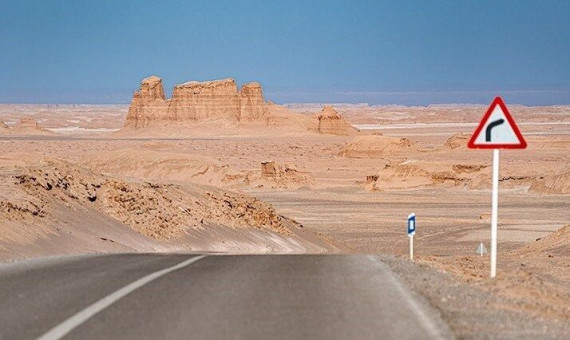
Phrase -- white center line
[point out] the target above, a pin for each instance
(80, 317)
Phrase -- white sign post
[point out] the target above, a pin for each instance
(411, 233)
(494, 212)
(497, 130)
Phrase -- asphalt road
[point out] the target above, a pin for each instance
(211, 297)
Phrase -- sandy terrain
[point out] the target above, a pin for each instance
(50, 206)
(193, 188)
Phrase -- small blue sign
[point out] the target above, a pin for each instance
(411, 224)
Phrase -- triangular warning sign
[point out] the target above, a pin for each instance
(481, 250)
(497, 129)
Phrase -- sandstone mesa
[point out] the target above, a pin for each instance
(193, 101)
(221, 101)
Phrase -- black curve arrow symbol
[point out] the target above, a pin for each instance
(490, 127)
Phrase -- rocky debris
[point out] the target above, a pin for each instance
(240, 211)
(158, 211)
(20, 209)
(195, 101)
(332, 123)
(377, 146)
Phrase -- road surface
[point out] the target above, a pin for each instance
(144, 296)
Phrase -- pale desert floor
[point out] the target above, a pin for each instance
(327, 192)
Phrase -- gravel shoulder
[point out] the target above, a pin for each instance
(479, 309)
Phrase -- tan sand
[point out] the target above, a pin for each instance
(350, 193)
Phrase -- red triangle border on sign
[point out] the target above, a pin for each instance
(497, 101)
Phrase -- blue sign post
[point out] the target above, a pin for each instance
(411, 233)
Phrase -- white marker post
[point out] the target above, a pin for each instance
(412, 247)
(411, 233)
(481, 250)
(494, 212)
(497, 130)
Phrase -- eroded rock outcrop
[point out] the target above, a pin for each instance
(194, 101)
(332, 123)
(270, 169)
(148, 104)
(283, 176)
(377, 146)
(457, 141)
(26, 126)
(557, 184)
(252, 104)
(27, 123)
(423, 174)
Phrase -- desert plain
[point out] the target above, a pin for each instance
(217, 169)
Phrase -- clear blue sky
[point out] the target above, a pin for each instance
(381, 52)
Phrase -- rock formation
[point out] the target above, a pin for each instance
(332, 123)
(558, 184)
(458, 140)
(194, 101)
(27, 123)
(27, 126)
(283, 176)
(377, 146)
(371, 178)
(270, 169)
(252, 104)
(151, 88)
(423, 174)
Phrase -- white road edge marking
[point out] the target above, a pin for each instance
(426, 322)
(80, 317)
